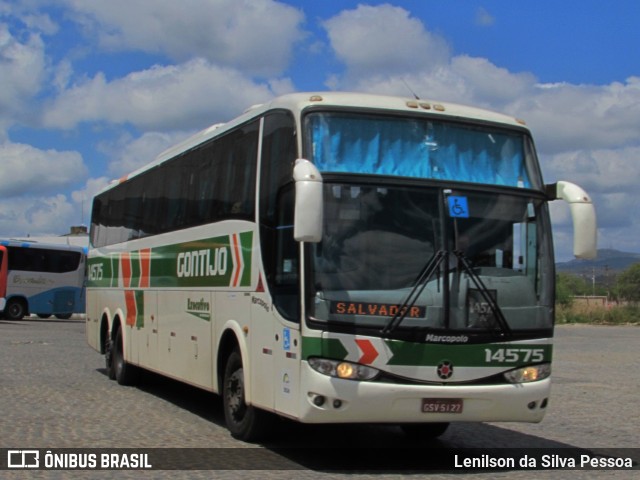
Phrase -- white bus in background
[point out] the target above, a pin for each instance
(338, 258)
(41, 278)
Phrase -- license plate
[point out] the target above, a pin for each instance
(442, 405)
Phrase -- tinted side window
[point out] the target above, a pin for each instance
(211, 182)
(279, 250)
(43, 260)
(239, 171)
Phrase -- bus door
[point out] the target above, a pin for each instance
(275, 346)
(262, 348)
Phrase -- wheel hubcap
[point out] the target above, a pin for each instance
(235, 396)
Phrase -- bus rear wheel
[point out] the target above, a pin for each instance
(108, 357)
(123, 372)
(245, 422)
(15, 309)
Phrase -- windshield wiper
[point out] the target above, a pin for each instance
(419, 285)
(505, 330)
(421, 282)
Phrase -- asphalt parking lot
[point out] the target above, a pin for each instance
(54, 394)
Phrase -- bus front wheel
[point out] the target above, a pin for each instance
(15, 309)
(245, 422)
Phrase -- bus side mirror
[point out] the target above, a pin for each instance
(583, 214)
(308, 213)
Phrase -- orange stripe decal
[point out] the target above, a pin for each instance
(238, 256)
(145, 267)
(132, 311)
(125, 261)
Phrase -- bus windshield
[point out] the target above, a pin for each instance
(378, 239)
(420, 148)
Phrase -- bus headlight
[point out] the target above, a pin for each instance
(342, 369)
(532, 373)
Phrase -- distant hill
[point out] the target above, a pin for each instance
(608, 261)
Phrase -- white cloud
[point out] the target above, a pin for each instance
(601, 170)
(37, 214)
(610, 176)
(91, 188)
(489, 84)
(257, 36)
(130, 154)
(484, 18)
(83, 200)
(41, 22)
(29, 171)
(22, 69)
(176, 97)
(21, 216)
(61, 75)
(565, 116)
(384, 40)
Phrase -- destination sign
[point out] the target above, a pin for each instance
(376, 309)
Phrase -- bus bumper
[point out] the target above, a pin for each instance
(331, 400)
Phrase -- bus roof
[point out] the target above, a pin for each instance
(297, 102)
(33, 244)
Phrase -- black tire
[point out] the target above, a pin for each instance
(63, 316)
(424, 431)
(15, 309)
(108, 357)
(244, 422)
(124, 373)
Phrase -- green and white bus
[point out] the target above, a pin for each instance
(338, 258)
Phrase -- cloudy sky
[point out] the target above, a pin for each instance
(90, 90)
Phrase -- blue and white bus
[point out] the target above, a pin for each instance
(39, 278)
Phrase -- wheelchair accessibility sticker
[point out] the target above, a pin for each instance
(458, 207)
(286, 339)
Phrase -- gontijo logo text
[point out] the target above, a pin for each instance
(202, 263)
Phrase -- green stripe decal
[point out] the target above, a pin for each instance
(482, 355)
(111, 277)
(246, 241)
(135, 269)
(139, 296)
(223, 261)
(430, 354)
(328, 348)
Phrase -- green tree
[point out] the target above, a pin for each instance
(629, 284)
(568, 286)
